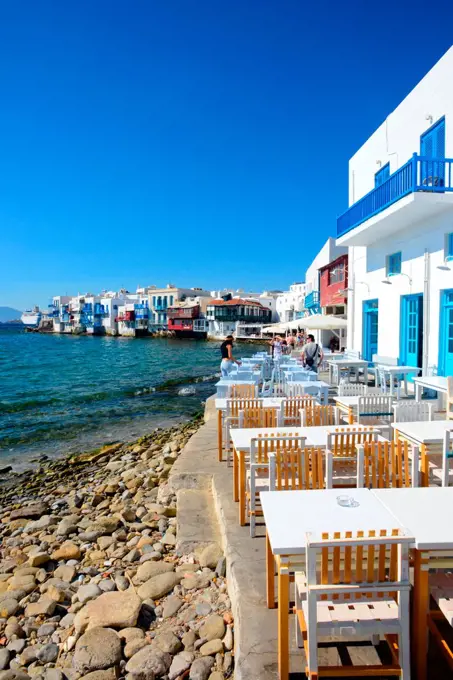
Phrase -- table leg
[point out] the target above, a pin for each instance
(242, 488)
(405, 384)
(270, 574)
(418, 392)
(235, 475)
(283, 622)
(219, 434)
(424, 465)
(419, 644)
(351, 416)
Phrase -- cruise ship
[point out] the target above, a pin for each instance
(31, 317)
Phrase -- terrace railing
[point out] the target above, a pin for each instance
(431, 175)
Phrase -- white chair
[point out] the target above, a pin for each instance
(375, 410)
(300, 389)
(346, 389)
(447, 455)
(268, 389)
(410, 411)
(258, 471)
(354, 586)
(389, 383)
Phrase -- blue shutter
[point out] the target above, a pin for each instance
(432, 145)
(450, 245)
(394, 264)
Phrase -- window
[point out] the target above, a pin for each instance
(449, 246)
(394, 264)
(171, 299)
(336, 274)
(382, 175)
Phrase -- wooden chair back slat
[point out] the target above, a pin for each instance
(343, 443)
(299, 468)
(388, 465)
(291, 407)
(317, 416)
(234, 406)
(242, 391)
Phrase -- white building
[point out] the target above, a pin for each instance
(329, 252)
(399, 230)
(291, 303)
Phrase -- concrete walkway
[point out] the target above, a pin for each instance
(207, 513)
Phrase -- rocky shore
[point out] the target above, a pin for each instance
(92, 584)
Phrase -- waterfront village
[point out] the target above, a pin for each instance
(312, 494)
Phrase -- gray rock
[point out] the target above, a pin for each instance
(201, 668)
(227, 663)
(48, 653)
(213, 627)
(44, 606)
(16, 646)
(65, 573)
(210, 555)
(4, 659)
(68, 525)
(180, 663)
(67, 621)
(134, 646)
(189, 639)
(53, 674)
(168, 642)
(203, 608)
(121, 582)
(211, 647)
(220, 569)
(158, 586)
(188, 615)
(171, 606)
(29, 655)
(96, 650)
(89, 592)
(148, 663)
(108, 674)
(149, 570)
(8, 608)
(46, 629)
(107, 585)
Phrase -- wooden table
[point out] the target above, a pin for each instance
(242, 442)
(425, 512)
(434, 382)
(349, 363)
(289, 516)
(428, 435)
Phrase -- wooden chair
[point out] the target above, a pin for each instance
(257, 478)
(298, 469)
(375, 410)
(410, 411)
(387, 465)
(291, 408)
(441, 590)
(235, 408)
(357, 586)
(342, 446)
(242, 391)
(314, 415)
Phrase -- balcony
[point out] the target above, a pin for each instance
(312, 302)
(419, 189)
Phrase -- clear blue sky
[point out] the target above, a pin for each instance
(202, 142)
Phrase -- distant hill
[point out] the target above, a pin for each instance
(9, 314)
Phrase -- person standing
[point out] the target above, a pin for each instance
(226, 351)
(278, 348)
(312, 354)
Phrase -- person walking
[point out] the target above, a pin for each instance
(226, 350)
(312, 354)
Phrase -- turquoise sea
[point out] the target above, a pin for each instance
(63, 393)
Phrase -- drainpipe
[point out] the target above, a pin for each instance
(425, 316)
(351, 306)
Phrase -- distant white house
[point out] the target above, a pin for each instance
(291, 303)
(399, 230)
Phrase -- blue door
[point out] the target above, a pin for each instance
(432, 145)
(446, 333)
(370, 329)
(411, 331)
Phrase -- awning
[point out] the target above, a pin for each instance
(322, 322)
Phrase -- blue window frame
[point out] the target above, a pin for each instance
(394, 264)
(449, 246)
(432, 145)
(382, 175)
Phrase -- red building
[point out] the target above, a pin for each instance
(181, 319)
(333, 286)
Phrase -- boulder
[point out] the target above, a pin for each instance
(158, 586)
(96, 650)
(48, 653)
(180, 663)
(201, 668)
(8, 607)
(30, 511)
(89, 592)
(149, 663)
(213, 627)
(148, 570)
(44, 607)
(168, 642)
(109, 610)
(172, 605)
(108, 674)
(212, 647)
(210, 555)
(67, 551)
(4, 659)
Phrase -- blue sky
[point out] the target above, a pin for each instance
(199, 142)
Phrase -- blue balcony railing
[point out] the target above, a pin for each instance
(312, 300)
(431, 175)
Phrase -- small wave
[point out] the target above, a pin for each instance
(186, 380)
(187, 391)
(28, 404)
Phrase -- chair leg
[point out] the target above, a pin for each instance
(299, 637)
(252, 522)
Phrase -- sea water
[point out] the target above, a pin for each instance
(65, 393)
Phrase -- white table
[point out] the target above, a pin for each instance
(289, 516)
(223, 384)
(399, 370)
(355, 364)
(428, 435)
(433, 382)
(320, 384)
(426, 514)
